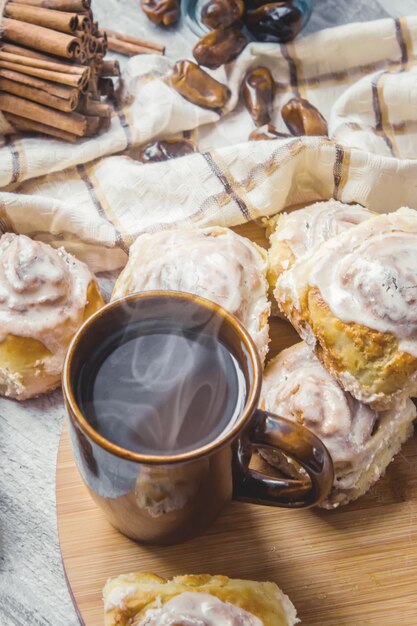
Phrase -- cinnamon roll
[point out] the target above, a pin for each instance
(354, 300)
(214, 263)
(294, 234)
(45, 295)
(195, 600)
(361, 441)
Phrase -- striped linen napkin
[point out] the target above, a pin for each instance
(363, 79)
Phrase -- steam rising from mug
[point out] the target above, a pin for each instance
(160, 389)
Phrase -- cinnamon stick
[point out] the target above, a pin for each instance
(105, 123)
(73, 80)
(94, 107)
(71, 122)
(54, 66)
(135, 41)
(60, 91)
(129, 49)
(82, 36)
(93, 125)
(37, 95)
(26, 125)
(27, 52)
(84, 23)
(57, 20)
(106, 87)
(102, 45)
(59, 5)
(110, 68)
(92, 46)
(40, 38)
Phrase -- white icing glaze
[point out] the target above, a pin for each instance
(198, 609)
(214, 263)
(297, 386)
(366, 275)
(43, 294)
(117, 597)
(304, 229)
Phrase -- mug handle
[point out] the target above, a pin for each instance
(298, 443)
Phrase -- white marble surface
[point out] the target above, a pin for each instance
(33, 591)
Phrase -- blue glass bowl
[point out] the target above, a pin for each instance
(192, 12)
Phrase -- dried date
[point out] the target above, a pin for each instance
(258, 94)
(275, 22)
(222, 13)
(198, 87)
(162, 12)
(219, 46)
(302, 118)
(267, 132)
(165, 149)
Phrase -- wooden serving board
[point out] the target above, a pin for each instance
(355, 566)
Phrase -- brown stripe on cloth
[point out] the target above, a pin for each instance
(229, 186)
(407, 39)
(401, 42)
(382, 123)
(340, 170)
(292, 66)
(85, 177)
(342, 77)
(400, 128)
(286, 150)
(124, 124)
(10, 143)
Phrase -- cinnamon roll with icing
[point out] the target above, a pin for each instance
(361, 441)
(45, 295)
(194, 600)
(214, 263)
(354, 300)
(294, 234)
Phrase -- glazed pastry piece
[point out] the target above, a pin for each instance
(298, 232)
(354, 300)
(214, 263)
(45, 295)
(194, 600)
(361, 441)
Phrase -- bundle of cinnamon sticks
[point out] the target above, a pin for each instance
(53, 75)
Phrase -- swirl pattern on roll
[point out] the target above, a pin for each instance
(297, 387)
(368, 276)
(214, 263)
(305, 228)
(40, 289)
(198, 609)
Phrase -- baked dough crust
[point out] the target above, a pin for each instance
(214, 263)
(46, 294)
(367, 362)
(127, 598)
(294, 234)
(362, 442)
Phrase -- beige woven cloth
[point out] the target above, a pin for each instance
(363, 79)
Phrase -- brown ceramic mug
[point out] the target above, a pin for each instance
(169, 498)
